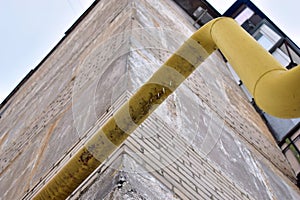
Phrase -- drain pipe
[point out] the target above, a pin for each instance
(273, 87)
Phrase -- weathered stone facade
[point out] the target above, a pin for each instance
(205, 142)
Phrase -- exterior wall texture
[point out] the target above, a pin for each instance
(204, 142)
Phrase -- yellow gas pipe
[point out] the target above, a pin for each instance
(274, 88)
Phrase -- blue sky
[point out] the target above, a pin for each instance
(31, 28)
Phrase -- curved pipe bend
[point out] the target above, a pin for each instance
(275, 89)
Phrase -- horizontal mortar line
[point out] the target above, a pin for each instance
(54, 169)
(212, 106)
(29, 137)
(98, 171)
(192, 178)
(206, 165)
(195, 155)
(76, 147)
(166, 130)
(154, 172)
(225, 179)
(218, 186)
(114, 107)
(266, 156)
(64, 159)
(105, 117)
(162, 141)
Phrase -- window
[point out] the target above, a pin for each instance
(292, 51)
(285, 131)
(266, 36)
(280, 127)
(244, 16)
(291, 148)
(281, 57)
(202, 16)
